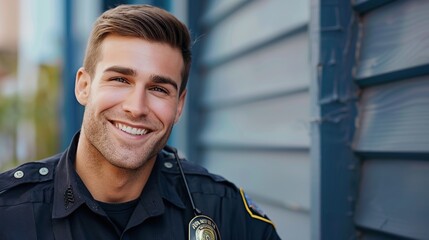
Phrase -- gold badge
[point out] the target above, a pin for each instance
(202, 227)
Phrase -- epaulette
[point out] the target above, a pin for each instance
(31, 172)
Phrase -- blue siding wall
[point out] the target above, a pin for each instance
(252, 106)
(392, 137)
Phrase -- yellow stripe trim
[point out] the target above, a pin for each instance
(250, 212)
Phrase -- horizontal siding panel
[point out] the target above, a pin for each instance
(255, 23)
(280, 178)
(395, 118)
(276, 123)
(289, 225)
(366, 234)
(394, 197)
(216, 9)
(394, 38)
(279, 68)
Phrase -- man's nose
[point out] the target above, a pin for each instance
(136, 103)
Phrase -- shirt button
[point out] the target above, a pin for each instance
(18, 174)
(43, 171)
(168, 165)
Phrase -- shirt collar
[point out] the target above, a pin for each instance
(69, 195)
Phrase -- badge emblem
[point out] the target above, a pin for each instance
(202, 227)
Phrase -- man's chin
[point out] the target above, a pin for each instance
(129, 162)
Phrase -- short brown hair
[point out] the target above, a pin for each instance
(142, 21)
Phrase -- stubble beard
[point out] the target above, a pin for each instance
(120, 155)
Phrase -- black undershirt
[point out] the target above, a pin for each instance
(119, 213)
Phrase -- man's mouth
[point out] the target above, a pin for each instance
(131, 130)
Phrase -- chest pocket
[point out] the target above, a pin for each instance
(17, 222)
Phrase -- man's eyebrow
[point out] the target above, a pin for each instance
(121, 70)
(164, 80)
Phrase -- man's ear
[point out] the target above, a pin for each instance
(82, 86)
(180, 106)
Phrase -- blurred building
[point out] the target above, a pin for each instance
(317, 108)
(9, 25)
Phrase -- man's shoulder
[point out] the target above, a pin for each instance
(234, 200)
(17, 184)
(208, 188)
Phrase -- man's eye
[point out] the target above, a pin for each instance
(159, 89)
(119, 79)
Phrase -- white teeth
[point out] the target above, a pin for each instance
(131, 130)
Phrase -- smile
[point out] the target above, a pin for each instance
(131, 130)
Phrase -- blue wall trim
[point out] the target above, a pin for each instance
(393, 76)
(364, 6)
(338, 183)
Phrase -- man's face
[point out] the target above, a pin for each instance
(133, 100)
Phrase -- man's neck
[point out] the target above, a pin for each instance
(106, 182)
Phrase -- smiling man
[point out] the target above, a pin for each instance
(131, 104)
(118, 179)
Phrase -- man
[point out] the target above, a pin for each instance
(116, 180)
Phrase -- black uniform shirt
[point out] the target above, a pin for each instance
(47, 200)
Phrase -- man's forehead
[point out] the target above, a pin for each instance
(121, 51)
